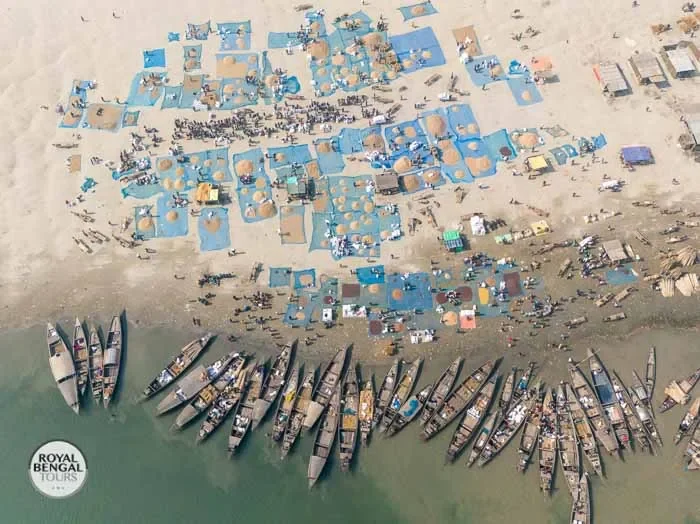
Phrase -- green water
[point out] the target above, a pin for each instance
(140, 472)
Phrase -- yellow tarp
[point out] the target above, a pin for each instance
(537, 162)
(540, 228)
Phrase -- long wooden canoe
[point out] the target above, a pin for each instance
(274, 382)
(349, 425)
(112, 360)
(330, 378)
(366, 414)
(80, 356)
(286, 404)
(96, 357)
(548, 443)
(401, 393)
(442, 389)
(325, 437)
(568, 444)
(62, 368)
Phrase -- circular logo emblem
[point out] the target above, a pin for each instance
(58, 469)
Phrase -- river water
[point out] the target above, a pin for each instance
(140, 472)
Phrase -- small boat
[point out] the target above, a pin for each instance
(112, 360)
(507, 428)
(608, 400)
(274, 382)
(640, 389)
(692, 450)
(568, 445)
(286, 404)
(80, 356)
(386, 390)
(471, 420)
(596, 415)
(688, 421)
(639, 432)
(584, 430)
(680, 391)
(651, 372)
(442, 389)
(401, 393)
(482, 437)
(95, 351)
(524, 383)
(531, 432)
(325, 437)
(177, 365)
(349, 425)
(224, 404)
(301, 407)
(409, 410)
(458, 400)
(644, 414)
(62, 368)
(206, 397)
(548, 442)
(366, 411)
(330, 378)
(194, 382)
(243, 415)
(581, 509)
(507, 392)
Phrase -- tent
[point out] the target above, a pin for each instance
(452, 239)
(536, 163)
(636, 155)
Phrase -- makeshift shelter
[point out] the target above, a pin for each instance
(636, 155)
(542, 68)
(692, 122)
(540, 228)
(611, 79)
(387, 183)
(677, 59)
(646, 69)
(616, 253)
(536, 163)
(478, 226)
(297, 187)
(207, 193)
(452, 240)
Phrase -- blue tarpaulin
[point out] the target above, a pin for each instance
(154, 58)
(636, 155)
(280, 276)
(173, 37)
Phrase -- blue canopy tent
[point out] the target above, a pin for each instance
(636, 155)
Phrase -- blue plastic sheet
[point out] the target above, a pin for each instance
(280, 276)
(130, 118)
(410, 291)
(154, 58)
(417, 10)
(349, 141)
(299, 315)
(171, 221)
(599, 141)
(213, 229)
(524, 90)
(140, 95)
(142, 225)
(304, 278)
(283, 156)
(173, 37)
(235, 36)
(462, 122)
(570, 150)
(499, 146)
(141, 191)
(485, 70)
(192, 55)
(476, 148)
(171, 97)
(330, 160)
(418, 50)
(211, 165)
(620, 276)
(198, 31)
(559, 155)
(370, 274)
(88, 184)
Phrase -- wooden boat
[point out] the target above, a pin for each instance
(209, 393)
(549, 435)
(471, 420)
(482, 437)
(62, 368)
(274, 382)
(80, 356)
(325, 437)
(651, 372)
(640, 389)
(194, 382)
(95, 369)
(596, 415)
(680, 391)
(688, 421)
(531, 432)
(507, 392)
(442, 389)
(507, 428)
(401, 393)
(177, 365)
(224, 404)
(243, 415)
(409, 410)
(457, 401)
(645, 417)
(584, 429)
(301, 406)
(608, 400)
(366, 411)
(286, 404)
(524, 383)
(386, 390)
(112, 360)
(639, 432)
(349, 425)
(581, 509)
(568, 444)
(692, 450)
(330, 378)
